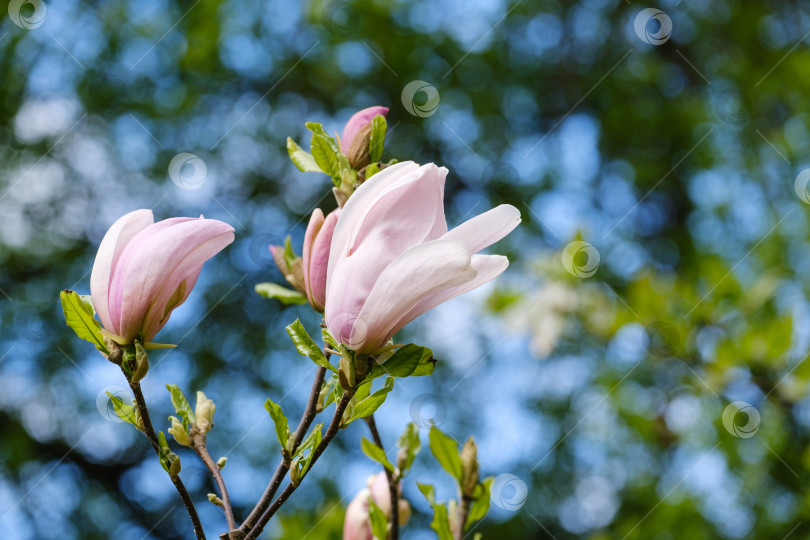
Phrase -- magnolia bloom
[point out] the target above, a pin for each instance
(392, 257)
(356, 526)
(354, 143)
(317, 241)
(143, 270)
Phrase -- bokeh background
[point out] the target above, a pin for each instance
(648, 382)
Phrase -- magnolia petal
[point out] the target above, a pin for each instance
(313, 228)
(121, 232)
(356, 123)
(356, 524)
(421, 271)
(488, 267)
(485, 229)
(319, 260)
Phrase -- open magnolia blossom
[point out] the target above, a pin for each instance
(392, 257)
(356, 525)
(144, 270)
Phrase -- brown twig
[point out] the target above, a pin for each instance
(303, 426)
(140, 402)
(334, 427)
(199, 446)
(463, 511)
(392, 482)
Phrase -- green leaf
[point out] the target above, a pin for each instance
(181, 405)
(79, 315)
(301, 158)
(151, 345)
(367, 406)
(124, 411)
(309, 445)
(331, 341)
(371, 170)
(307, 347)
(279, 420)
(428, 491)
(378, 520)
(411, 442)
(377, 137)
(376, 453)
(480, 504)
(282, 294)
(404, 362)
(165, 454)
(440, 523)
(326, 158)
(445, 449)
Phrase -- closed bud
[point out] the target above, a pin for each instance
(141, 362)
(221, 462)
(295, 473)
(290, 265)
(179, 432)
(355, 140)
(205, 413)
(469, 462)
(174, 465)
(213, 499)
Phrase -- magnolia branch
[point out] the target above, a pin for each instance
(199, 446)
(140, 402)
(392, 482)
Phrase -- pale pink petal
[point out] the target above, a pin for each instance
(421, 271)
(485, 229)
(156, 262)
(380, 493)
(319, 261)
(109, 250)
(356, 123)
(488, 267)
(385, 220)
(313, 228)
(356, 524)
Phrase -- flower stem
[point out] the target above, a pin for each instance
(392, 482)
(140, 402)
(199, 446)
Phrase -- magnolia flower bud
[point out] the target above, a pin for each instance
(469, 462)
(179, 432)
(204, 413)
(355, 140)
(141, 363)
(290, 264)
(221, 462)
(356, 525)
(214, 499)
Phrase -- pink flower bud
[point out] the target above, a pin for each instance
(143, 270)
(392, 257)
(356, 526)
(317, 241)
(356, 123)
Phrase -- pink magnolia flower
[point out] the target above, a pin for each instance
(356, 123)
(356, 525)
(317, 242)
(143, 270)
(392, 257)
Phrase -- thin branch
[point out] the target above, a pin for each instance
(463, 511)
(303, 426)
(334, 427)
(178, 484)
(392, 482)
(199, 445)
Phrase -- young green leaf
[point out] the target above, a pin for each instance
(124, 411)
(376, 453)
(301, 158)
(306, 346)
(79, 315)
(377, 138)
(282, 294)
(326, 158)
(428, 491)
(480, 504)
(440, 523)
(379, 523)
(279, 420)
(309, 445)
(445, 449)
(371, 170)
(372, 402)
(181, 405)
(165, 454)
(410, 442)
(403, 362)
